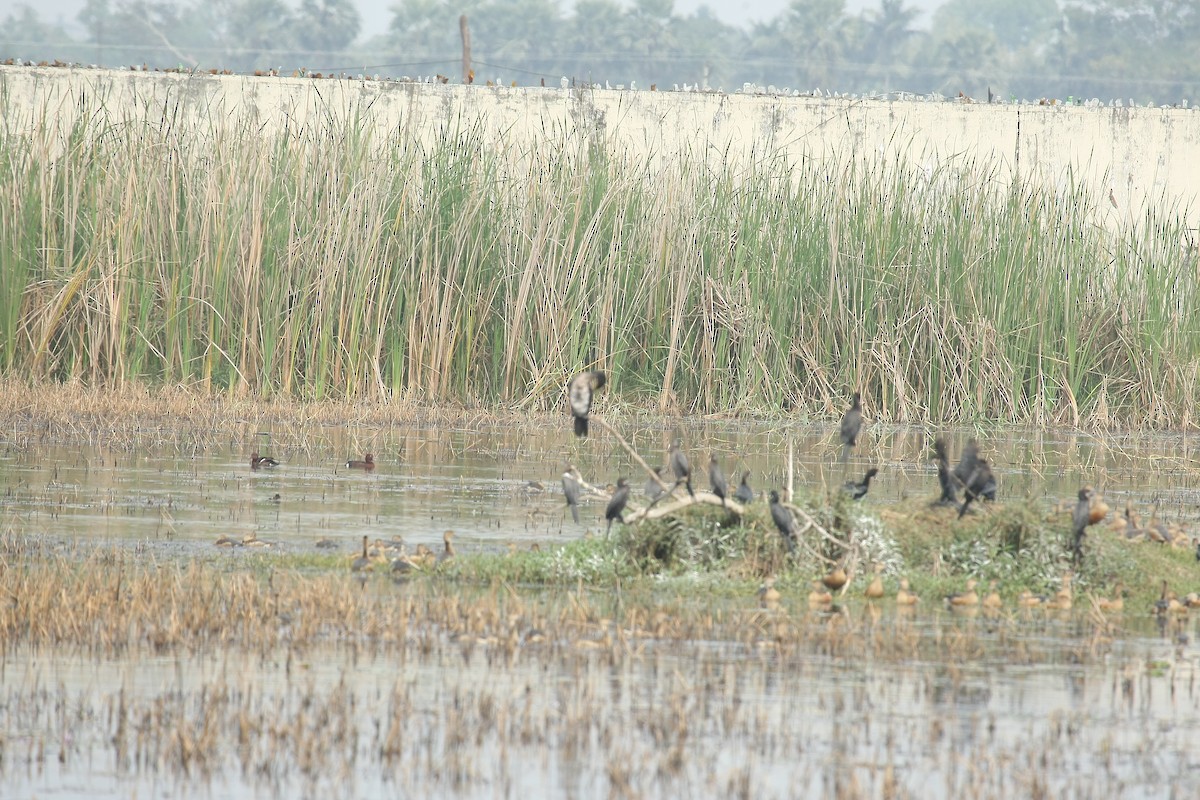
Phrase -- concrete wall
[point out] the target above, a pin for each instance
(1126, 156)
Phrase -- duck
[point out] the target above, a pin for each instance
(992, 600)
(1117, 603)
(969, 597)
(768, 595)
(367, 463)
(904, 596)
(1027, 599)
(1064, 598)
(326, 544)
(363, 563)
(874, 589)
(818, 596)
(857, 490)
(447, 547)
(424, 557)
(261, 462)
(836, 578)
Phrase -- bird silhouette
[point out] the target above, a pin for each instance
(716, 477)
(580, 392)
(617, 504)
(679, 466)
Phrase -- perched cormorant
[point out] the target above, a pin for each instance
(716, 476)
(744, 493)
(579, 394)
(679, 466)
(572, 490)
(1079, 522)
(617, 504)
(783, 521)
(949, 490)
(851, 425)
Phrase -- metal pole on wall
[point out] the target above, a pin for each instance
(468, 73)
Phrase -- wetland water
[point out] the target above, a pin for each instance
(849, 705)
(476, 482)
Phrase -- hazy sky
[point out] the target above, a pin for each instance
(376, 16)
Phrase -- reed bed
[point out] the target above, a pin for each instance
(341, 261)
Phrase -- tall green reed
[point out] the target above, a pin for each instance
(339, 259)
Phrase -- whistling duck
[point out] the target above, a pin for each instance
(836, 578)
(905, 597)
(768, 595)
(819, 596)
(992, 600)
(874, 589)
(965, 598)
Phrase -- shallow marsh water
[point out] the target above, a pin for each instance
(1033, 707)
(693, 719)
(477, 482)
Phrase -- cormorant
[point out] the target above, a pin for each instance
(579, 394)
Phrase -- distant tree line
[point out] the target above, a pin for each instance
(1144, 50)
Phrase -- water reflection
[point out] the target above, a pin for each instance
(700, 718)
(497, 484)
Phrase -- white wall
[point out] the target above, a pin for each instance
(1125, 155)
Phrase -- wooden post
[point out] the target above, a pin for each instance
(468, 73)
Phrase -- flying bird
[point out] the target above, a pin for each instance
(579, 394)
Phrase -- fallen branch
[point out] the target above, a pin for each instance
(809, 522)
(679, 503)
(621, 439)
